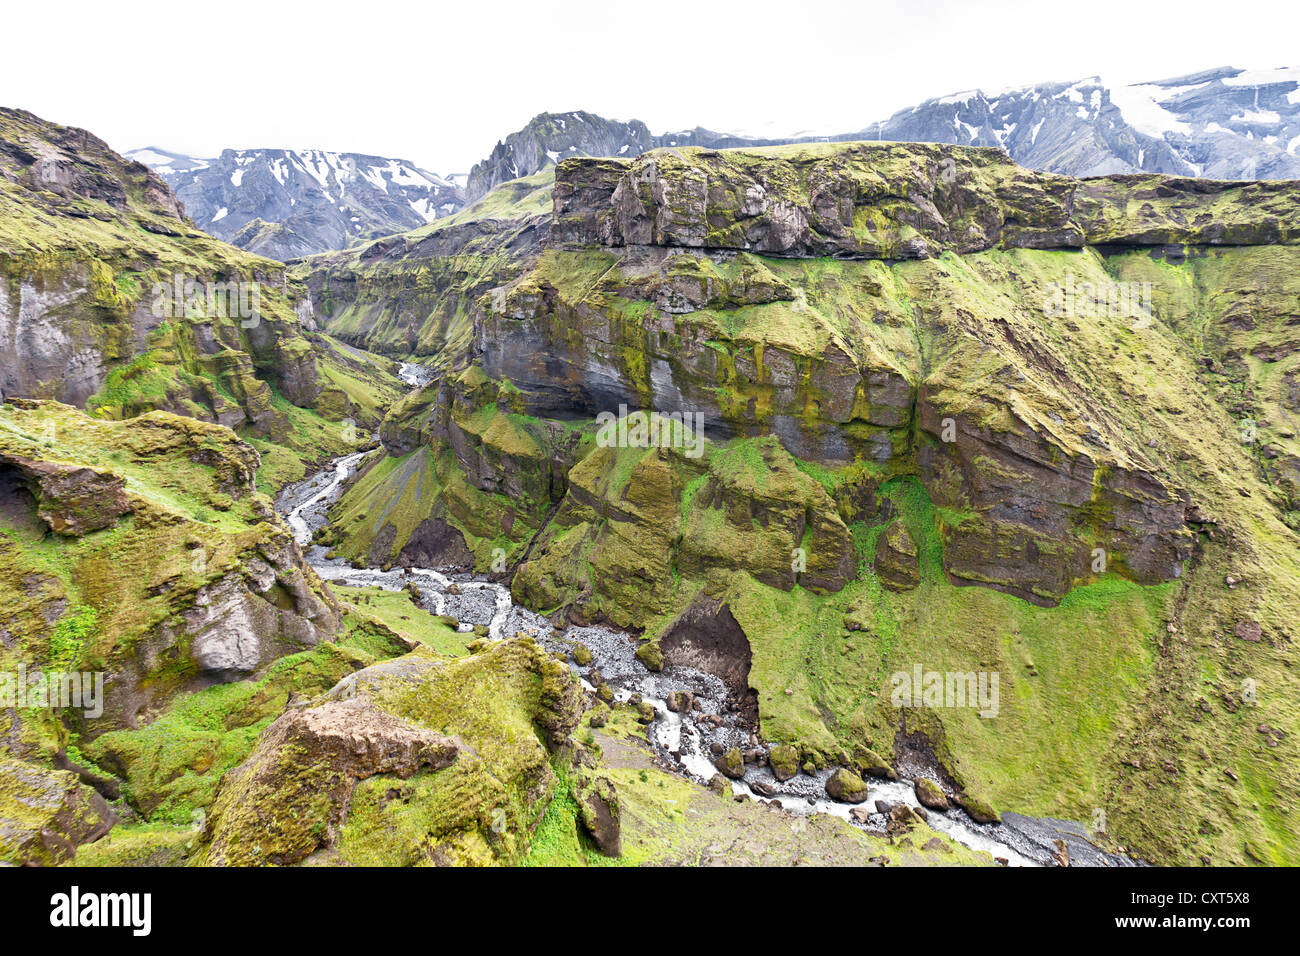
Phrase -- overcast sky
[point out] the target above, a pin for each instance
(439, 84)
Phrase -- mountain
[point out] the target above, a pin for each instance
(549, 138)
(288, 203)
(710, 453)
(953, 414)
(1225, 123)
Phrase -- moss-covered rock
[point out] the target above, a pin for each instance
(731, 764)
(651, 655)
(896, 558)
(151, 845)
(1052, 440)
(598, 811)
(455, 766)
(178, 575)
(46, 814)
(929, 795)
(784, 761)
(979, 810)
(846, 786)
(872, 764)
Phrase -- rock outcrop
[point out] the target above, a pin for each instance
(418, 759)
(896, 558)
(194, 580)
(914, 360)
(46, 814)
(600, 814)
(73, 501)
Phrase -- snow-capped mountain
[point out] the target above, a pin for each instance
(551, 137)
(289, 203)
(1225, 123)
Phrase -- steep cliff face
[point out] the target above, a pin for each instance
(216, 588)
(111, 300)
(955, 411)
(413, 294)
(956, 364)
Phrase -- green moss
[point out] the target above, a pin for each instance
(172, 766)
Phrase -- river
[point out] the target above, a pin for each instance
(684, 742)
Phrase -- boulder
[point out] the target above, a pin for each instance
(651, 656)
(731, 763)
(929, 795)
(936, 845)
(901, 819)
(598, 811)
(846, 786)
(418, 759)
(872, 764)
(46, 814)
(978, 810)
(784, 760)
(1249, 631)
(680, 701)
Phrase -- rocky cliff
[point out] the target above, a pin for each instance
(412, 294)
(954, 410)
(142, 552)
(110, 299)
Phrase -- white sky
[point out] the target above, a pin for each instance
(439, 83)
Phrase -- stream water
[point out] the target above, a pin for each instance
(686, 741)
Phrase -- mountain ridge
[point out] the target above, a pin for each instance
(1219, 123)
(287, 203)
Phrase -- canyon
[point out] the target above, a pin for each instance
(373, 580)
